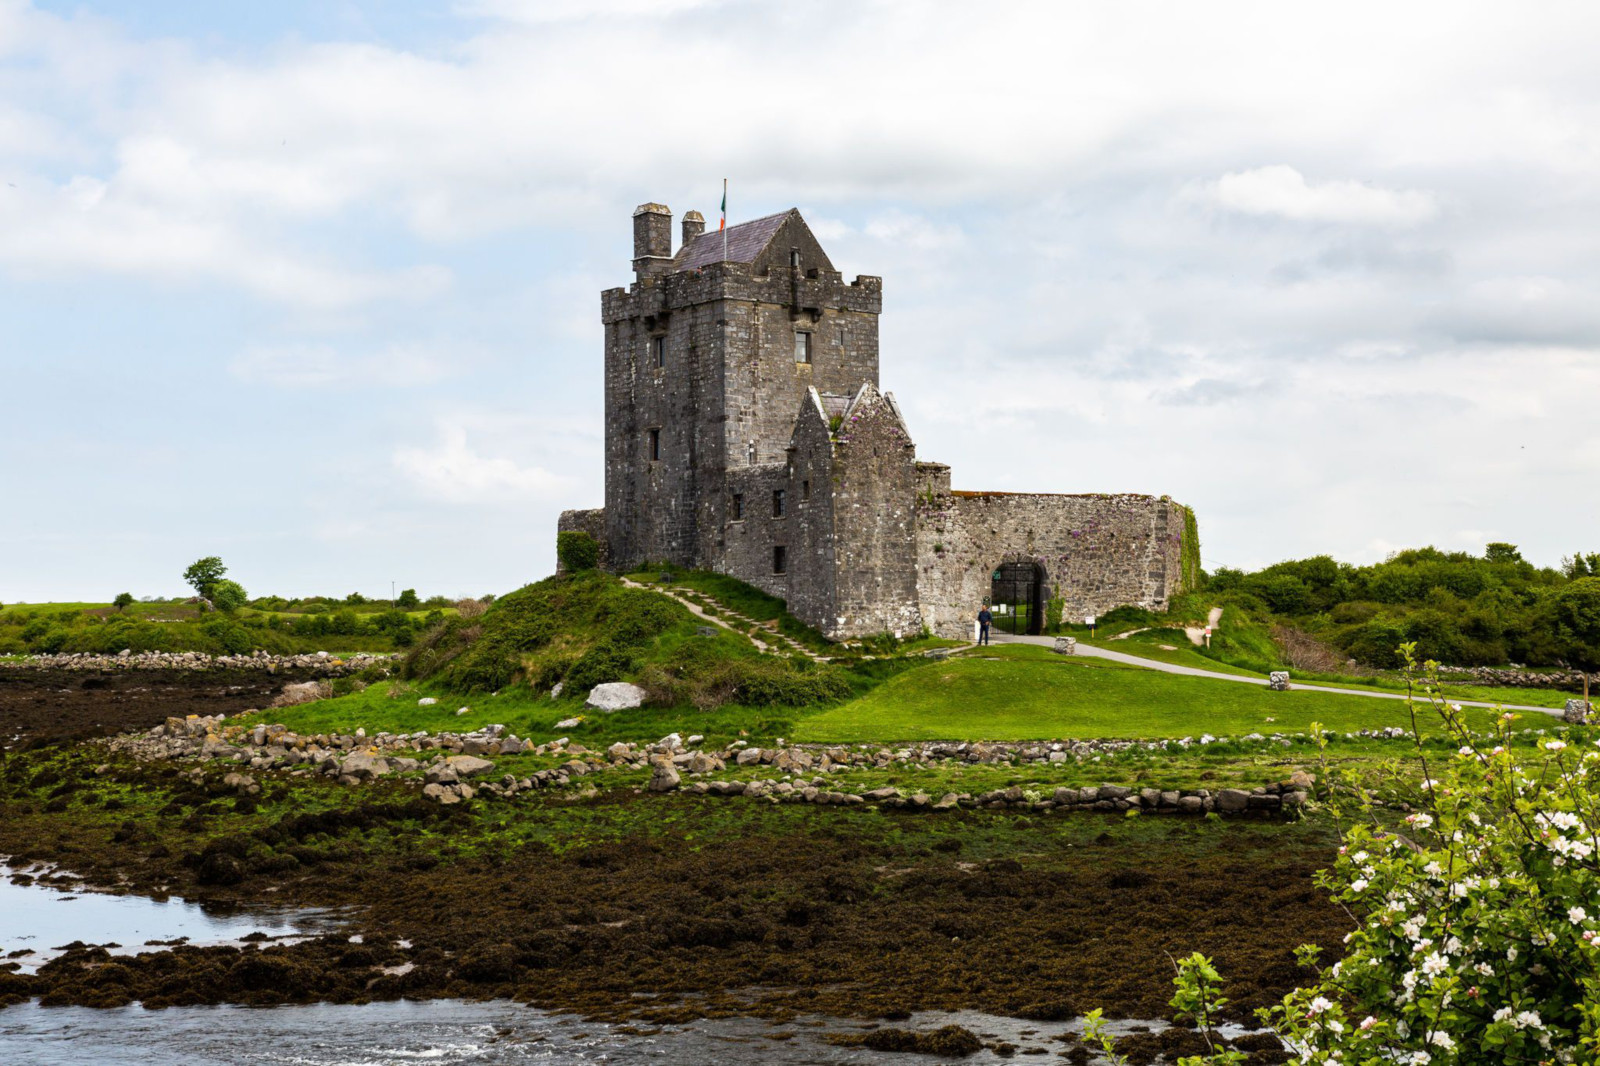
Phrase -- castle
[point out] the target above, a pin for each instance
(746, 433)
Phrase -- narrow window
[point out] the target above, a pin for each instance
(777, 503)
(802, 346)
(655, 445)
(843, 344)
(780, 560)
(738, 507)
(794, 258)
(805, 490)
(658, 350)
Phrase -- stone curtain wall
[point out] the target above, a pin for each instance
(1098, 552)
(592, 522)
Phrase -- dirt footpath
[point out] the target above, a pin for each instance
(49, 706)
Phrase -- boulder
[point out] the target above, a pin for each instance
(748, 756)
(569, 723)
(1577, 712)
(426, 701)
(701, 763)
(790, 760)
(1302, 780)
(1232, 799)
(468, 765)
(619, 750)
(364, 765)
(442, 794)
(1278, 681)
(1066, 646)
(665, 776)
(302, 692)
(615, 696)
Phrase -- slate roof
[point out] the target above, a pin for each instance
(745, 241)
(835, 406)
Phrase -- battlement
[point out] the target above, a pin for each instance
(678, 290)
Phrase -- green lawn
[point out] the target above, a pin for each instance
(393, 707)
(1026, 693)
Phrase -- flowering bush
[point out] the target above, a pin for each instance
(1477, 917)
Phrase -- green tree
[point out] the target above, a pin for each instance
(123, 601)
(407, 600)
(227, 596)
(203, 574)
(1501, 552)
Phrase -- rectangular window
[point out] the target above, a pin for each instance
(658, 350)
(780, 560)
(655, 445)
(805, 490)
(802, 346)
(738, 507)
(777, 503)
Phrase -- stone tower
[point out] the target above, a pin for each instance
(707, 359)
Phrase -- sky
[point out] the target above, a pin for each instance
(315, 286)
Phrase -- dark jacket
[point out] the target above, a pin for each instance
(985, 617)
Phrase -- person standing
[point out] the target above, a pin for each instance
(984, 619)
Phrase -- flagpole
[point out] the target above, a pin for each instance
(724, 220)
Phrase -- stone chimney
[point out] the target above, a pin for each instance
(652, 239)
(694, 224)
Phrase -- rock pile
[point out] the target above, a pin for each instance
(454, 767)
(1517, 677)
(1278, 681)
(319, 663)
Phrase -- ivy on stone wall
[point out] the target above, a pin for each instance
(1190, 551)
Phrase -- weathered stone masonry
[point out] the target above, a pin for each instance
(745, 433)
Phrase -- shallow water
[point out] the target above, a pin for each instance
(453, 1033)
(41, 918)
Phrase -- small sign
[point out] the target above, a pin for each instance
(1088, 620)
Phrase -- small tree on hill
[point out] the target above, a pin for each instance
(228, 596)
(577, 550)
(203, 574)
(407, 600)
(123, 601)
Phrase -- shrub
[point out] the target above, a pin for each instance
(407, 600)
(227, 596)
(1476, 940)
(577, 550)
(123, 601)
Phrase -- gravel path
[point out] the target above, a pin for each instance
(1191, 671)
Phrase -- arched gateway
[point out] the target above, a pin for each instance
(1020, 585)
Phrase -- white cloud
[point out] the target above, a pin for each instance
(311, 366)
(1283, 191)
(451, 470)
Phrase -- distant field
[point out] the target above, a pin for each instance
(1027, 693)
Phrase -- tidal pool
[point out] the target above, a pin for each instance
(40, 919)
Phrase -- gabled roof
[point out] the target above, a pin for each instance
(746, 241)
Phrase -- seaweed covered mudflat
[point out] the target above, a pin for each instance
(625, 905)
